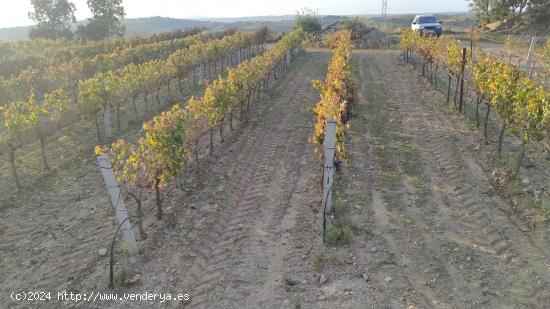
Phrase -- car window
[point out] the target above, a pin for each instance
(427, 20)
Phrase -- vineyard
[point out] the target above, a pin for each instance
(111, 85)
(519, 96)
(255, 169)
(171, 140)
(521, 100)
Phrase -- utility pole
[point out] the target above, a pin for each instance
(384, 15)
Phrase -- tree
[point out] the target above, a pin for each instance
(481, 8)
(539, 14)
(496, 10)
(53, 18)
(519, 5)
(106, 21)
(308, 20)
(537, 11)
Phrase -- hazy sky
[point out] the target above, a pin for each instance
(15, 12)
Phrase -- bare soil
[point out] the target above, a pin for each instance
(433, 232)
(429, 229)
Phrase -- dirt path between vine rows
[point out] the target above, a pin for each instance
(431, 231)
(233, 231)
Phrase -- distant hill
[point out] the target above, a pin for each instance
(15, 33)
(271, 18)
(156, 24)
(150, 25)
(147, 25)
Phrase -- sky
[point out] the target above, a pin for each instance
(15, 12)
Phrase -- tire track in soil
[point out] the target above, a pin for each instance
(45, 249)
(231, 226)
(409, 253)
(443, 241)
(519, 272)
(270, 243)
(209, 225)
(214, 275)
(389, 232)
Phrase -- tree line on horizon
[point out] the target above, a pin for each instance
(536, 13)
(55, 17)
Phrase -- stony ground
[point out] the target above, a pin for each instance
(429, 230)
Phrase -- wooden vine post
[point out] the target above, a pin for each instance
(118, 204)
(462, 69)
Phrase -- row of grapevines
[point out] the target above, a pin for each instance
(521, 102)
(338, 93)
(66, 74)
(105, 90)
(16, 56)
(30, 120)
(170, 139)
(440, 51)
(115, 88)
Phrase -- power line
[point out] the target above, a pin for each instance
(384, 15)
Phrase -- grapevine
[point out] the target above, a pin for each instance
(338, 93)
